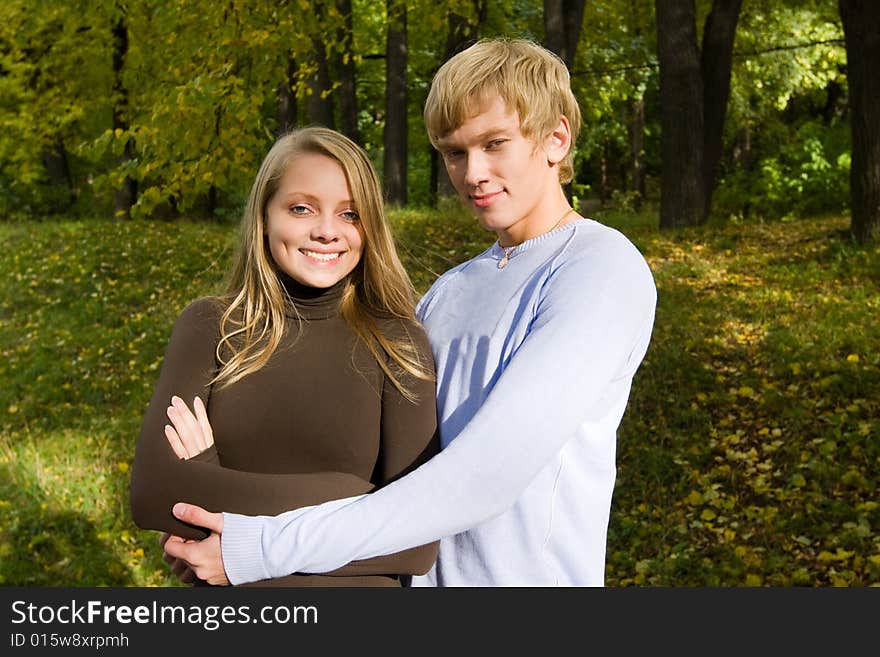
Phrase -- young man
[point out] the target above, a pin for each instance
(536, 342)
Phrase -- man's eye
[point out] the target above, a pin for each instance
(452, 155)
(496, 143)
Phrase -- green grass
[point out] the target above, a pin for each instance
(748, 455)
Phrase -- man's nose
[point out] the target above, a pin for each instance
(477, 169)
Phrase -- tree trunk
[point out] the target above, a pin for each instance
(682, 198)
(637, 151)
(58, 172)
(124, 197)
(742, 147)
(604, 187)
(743, 159)
(861, 27)
(396, 130)
(319, 103)
(562, 27)
(345, 71)
(717, 58)
(830, 110)
(287, 107)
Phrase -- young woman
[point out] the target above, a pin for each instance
(311, 370)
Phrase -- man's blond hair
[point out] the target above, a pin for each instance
(527, 77)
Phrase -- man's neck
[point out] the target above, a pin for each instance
(543, 219)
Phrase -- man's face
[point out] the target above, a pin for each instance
(509, 180)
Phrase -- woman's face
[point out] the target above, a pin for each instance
(312, 225)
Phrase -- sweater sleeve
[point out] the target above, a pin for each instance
(590, 331)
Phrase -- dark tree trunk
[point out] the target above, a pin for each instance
(742, 147)
(682, 198)
(636, 114)
(694, 90)
(124, 197)
(861, 27)
(58, 172)
(319, 103)
(604, 186)
(287, 107)
(717, 58)
(637, 151)
(562, 31)
(834, 92)
(562, 27)
(396, 130)
(211, 201)
(345, 71)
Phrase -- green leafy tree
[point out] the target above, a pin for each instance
(788, 153)
(53, 89)
(613, 75)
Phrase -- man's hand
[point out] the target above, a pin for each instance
(203, 557)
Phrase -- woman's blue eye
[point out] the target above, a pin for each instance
(298, 209)
(351, 215)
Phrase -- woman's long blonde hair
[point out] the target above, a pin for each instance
(254, 321)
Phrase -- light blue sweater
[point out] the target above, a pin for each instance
(534, 364)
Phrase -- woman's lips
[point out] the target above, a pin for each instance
(322, 257)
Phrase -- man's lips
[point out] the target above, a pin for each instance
(484, 200)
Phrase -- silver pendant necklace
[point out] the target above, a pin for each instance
(506, 257)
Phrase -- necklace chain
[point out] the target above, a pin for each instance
(510, 249)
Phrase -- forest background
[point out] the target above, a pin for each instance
(737, 143)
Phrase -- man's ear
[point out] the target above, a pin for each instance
(558, 142)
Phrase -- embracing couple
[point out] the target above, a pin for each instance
(316, 426)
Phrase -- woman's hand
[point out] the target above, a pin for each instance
(190, 434)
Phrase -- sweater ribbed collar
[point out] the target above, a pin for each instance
(497, 251)
(312, 302)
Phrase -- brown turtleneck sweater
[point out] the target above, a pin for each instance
(319, 421)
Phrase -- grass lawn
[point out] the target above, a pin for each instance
(749, 453)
